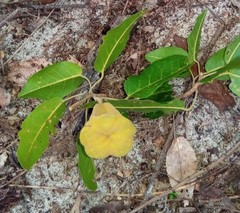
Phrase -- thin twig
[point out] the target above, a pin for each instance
(191, 179)
(10, 181)
(42, 187)
(9, 17)
(20, 47)
(125, 7)
(161, 159)
(212, 12)
(52, 6)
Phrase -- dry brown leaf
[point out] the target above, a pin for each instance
(218, 94)
(181, 163)
(113, 206)
(76, 206)
(180, 42)
(20, 71)
(5, 97)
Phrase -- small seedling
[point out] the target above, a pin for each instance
(107, 132)
(172, 195)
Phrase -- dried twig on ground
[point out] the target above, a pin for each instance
(9, 17)
(52, 6)
(192, 179)
(20, 47)
(161, 159)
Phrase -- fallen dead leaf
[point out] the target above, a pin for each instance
(180, 42)
(20, 71)
(218, 94)
(76, 206)
(5, 97)
(114, 206)
(181, 162)
(158, 142)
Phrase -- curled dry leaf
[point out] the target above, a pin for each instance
(181, 163)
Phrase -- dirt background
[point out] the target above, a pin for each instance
(34, 34)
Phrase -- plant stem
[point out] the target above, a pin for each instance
(81, 102)
(193, 102)
(191, 91)
(96, 83)
(84, 77)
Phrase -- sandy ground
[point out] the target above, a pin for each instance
(36, 37)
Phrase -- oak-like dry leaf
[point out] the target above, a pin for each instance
(181, 162)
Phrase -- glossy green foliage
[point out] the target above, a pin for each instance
(194, 38)
(164, 52)
(144, 106)
(57, 80)
(235, 81)
(114, 42)
(86, 167)
(222, 71)
(232, 50)
(152, 77)
(216, 61)
(34, 135)
(225, 63)
(233, 53)
(163, 93)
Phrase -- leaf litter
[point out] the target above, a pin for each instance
(181, 162)
(64, 174)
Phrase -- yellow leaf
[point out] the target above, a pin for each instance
(107, 133)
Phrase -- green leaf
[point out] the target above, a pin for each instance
(86, 167)
(223, 71)
(233, 53)
(153, 115)
(34, 135)
(152, 77)
(226, 63)
(164, 52)
(57, 80)
(232, 50)
(235, 81)
(163, 93)
(114, 42)
(144, 106)
(216, 62)
(194, 38)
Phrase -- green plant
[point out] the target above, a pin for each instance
(149, 93)
(172, 195)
